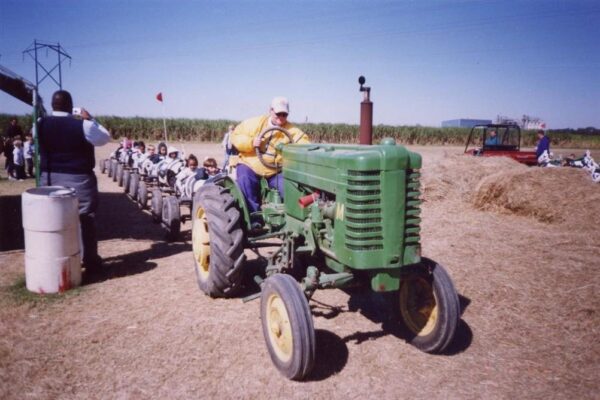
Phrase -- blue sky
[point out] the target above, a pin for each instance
(426, 61)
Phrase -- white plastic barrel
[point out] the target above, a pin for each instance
(51, 226)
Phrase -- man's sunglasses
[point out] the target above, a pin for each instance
(282, 114)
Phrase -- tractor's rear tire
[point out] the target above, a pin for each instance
(429, 307)
(217, 241)
(156, 204)
(126, 180)
(134, 182)
(171, 217)
(142, 195)
(287, 326)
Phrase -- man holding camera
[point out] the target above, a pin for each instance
(67, 159)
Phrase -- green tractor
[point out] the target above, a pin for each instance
(353, 212)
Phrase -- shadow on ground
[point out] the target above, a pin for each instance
(378, 307)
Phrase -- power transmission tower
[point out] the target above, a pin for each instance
(32, 51)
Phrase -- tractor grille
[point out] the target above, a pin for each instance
(413, 208)
(363, 211)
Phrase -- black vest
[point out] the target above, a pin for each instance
(63, 146)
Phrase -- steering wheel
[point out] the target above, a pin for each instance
(270, 150)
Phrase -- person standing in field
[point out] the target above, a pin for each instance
(67, 159)
(19, 160)
(9, 164)
(543, 144)
(13, 130)
(245, 138)
(29, 152)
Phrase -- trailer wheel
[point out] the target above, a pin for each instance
(156, 205)
(171, 216)
(115, 174)
(217, 241)
(142, 195)
(126, 180)
(429, 307)
(120, 170)
(134, 181)
(111, 167)
(287, 326)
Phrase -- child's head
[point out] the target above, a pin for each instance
(151, 149)
(17, 143)
(29, 138)
(192, 162)
(172, 152)
(162, 149)
(141, 146)
(211, 165)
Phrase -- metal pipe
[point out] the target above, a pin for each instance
(366, 114)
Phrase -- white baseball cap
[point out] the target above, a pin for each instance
(280, 104)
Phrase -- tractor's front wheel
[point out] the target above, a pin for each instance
(429, 307)
(287, 326)
(217, 241)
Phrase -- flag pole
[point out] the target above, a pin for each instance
(164, 120)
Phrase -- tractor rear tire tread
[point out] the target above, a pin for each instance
(226, 241)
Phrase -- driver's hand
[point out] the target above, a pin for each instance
(256, 142)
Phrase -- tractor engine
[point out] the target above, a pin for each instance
(358, 205)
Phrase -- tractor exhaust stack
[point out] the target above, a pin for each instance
(366, 114)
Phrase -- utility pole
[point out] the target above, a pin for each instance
(32, 51)
(62, 55)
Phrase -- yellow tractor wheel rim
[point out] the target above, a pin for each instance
(201, 243)
(279, 328)
(418, 306)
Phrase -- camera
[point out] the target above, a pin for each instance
(76, 110)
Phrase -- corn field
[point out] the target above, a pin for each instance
(200, 130)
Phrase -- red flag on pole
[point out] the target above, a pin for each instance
(159, 97)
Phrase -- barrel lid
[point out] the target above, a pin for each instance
(52, 191)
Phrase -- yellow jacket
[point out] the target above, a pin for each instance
(244, 134)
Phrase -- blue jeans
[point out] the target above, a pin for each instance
(249, 183)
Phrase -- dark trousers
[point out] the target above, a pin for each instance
(249, 184)
(9, 165)
(20, 171)
(86, 189)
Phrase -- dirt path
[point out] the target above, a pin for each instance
(530, 324)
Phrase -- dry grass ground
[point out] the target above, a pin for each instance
(521, 244)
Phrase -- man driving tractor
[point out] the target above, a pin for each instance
(246, 138)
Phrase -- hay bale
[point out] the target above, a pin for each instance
(550, 195)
